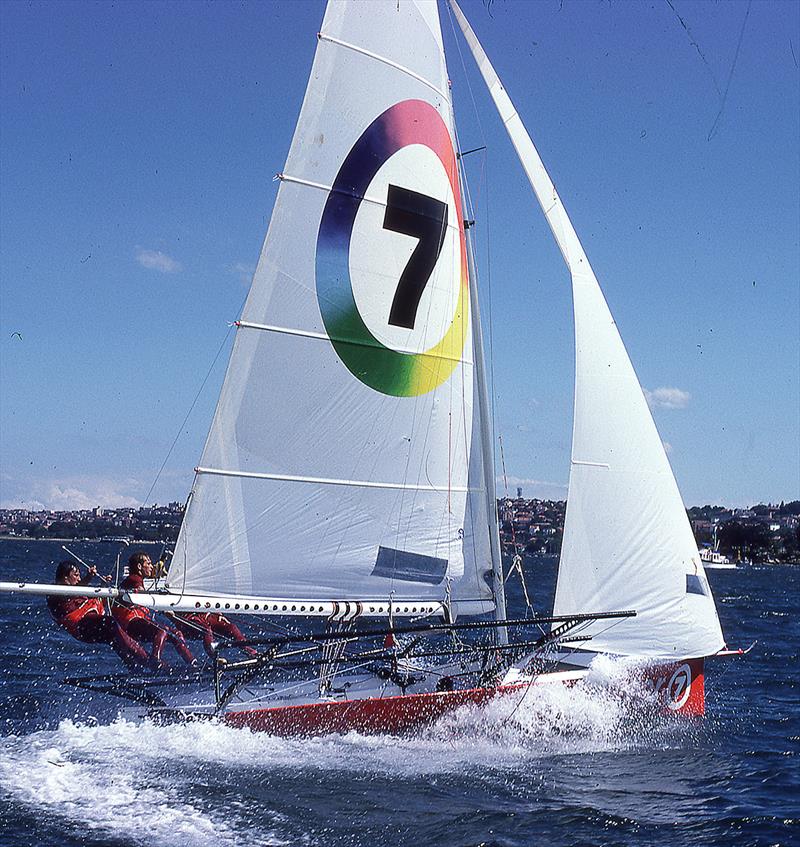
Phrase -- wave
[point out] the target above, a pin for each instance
(119, 782)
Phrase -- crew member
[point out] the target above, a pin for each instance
(86, 619)
(210, 626)
(138, 622)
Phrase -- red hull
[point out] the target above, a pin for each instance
(370, 715)
(680, 686)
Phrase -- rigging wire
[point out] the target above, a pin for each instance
(188, 413)
(483, 181)
(713, 130)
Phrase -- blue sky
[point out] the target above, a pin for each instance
(139, 142)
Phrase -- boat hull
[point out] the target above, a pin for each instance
(394, 715)
(679, 686)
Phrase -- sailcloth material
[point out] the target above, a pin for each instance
(627, 540)
(339, 464)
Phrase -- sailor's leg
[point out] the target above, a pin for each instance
(228, 629)
(179, 643)
(103, 629)
(159, 637)
(125, 647)
(142, 631)
(208, 642)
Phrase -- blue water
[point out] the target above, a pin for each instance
(567, 767)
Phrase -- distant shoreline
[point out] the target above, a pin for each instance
(77, 540)
(133, 543)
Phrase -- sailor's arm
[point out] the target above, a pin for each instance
(91, 573)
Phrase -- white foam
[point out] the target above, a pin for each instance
(111, 780)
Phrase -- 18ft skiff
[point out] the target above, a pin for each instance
(349, 471)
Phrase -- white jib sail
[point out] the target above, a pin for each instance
(627, 540)
(338, 462)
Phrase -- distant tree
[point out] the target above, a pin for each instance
(789, 540)
(60, 529)
(743, 539)
(707, 512)
(703, 537)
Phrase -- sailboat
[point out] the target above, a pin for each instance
(712, 558)
(347, 483)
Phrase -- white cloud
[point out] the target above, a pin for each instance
(74, 493)
(157, 261)
(667, 398)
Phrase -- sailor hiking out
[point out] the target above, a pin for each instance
(86, 618)
(138, 622)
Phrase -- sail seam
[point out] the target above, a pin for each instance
(385, 60)
(591, 464)
(321, 336)
(354, 483)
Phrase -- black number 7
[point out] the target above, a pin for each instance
(411, 213)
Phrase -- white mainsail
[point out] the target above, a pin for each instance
(627, 540)
(338, 465)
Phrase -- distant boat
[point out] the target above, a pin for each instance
(714, 559)
(349, 472)
(115, 539)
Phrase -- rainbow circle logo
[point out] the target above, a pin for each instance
(393, 372)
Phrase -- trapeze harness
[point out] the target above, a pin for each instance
(72, 620)
(126, 614)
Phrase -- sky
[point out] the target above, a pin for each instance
(138, 145)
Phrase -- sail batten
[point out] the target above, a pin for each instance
(316, 480)
(384, 59)
(321, 336)
(333, 189)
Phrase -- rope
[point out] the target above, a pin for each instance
(186, 418)
(332, 653)
(484, 180)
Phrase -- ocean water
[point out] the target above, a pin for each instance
(561, 767)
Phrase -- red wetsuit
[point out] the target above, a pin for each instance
(138, 623)
(85, 619)
(206, 625)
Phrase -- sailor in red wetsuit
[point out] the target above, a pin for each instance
(210, 626)
(138, 622)
(86, 619)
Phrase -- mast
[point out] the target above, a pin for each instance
(487, 443)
